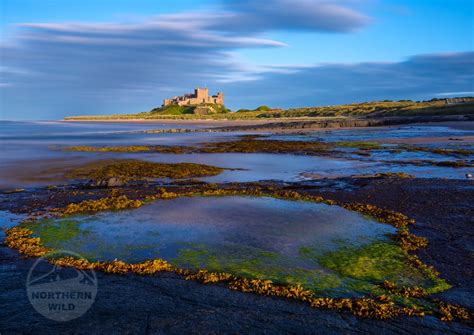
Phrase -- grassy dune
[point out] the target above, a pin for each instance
(371, 109)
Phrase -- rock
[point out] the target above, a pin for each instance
(115, 182)
(111, 182)
(204, 110)
(99, 183)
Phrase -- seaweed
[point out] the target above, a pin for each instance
(131, 148)
(438, 151)
(252, 145)
(113, 202)
(361, 145)
(247, 144)
(131, 169)
(450, 312)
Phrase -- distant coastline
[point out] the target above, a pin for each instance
(373, 110)
(368, 114)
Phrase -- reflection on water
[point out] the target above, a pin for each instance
(254, 167)
(29, 147)
(29, 140)
(164, 228)
(8, 220)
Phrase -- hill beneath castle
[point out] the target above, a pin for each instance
(203, 109)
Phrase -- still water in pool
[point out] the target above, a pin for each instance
(164, 228)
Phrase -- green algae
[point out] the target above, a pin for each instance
(319, 281)
(373, 262)
(57, 232)
(346, 271)
(256, 264)
(68, 234)
(197, 256)
(369, 265)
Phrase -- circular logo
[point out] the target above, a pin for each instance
(60, 293)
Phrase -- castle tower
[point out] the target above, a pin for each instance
(220, 98)
(202, 94)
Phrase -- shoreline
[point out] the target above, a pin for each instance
(298, 124)
(207, 122)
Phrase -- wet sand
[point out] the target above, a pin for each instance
(38, 172)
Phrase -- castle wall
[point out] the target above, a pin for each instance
(200, 96)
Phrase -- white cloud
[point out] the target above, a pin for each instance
(452, 94)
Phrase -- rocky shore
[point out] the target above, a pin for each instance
(166, 303)
(337, 123)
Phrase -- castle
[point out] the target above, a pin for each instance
(200, 96)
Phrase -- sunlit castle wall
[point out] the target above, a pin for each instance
(200, 96)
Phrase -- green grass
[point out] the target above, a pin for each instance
(203, 109)
(262, 108)
(172, 110)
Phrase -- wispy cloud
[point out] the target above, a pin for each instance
(63, 67)
(453, 94)
(56, 69)
(324, 84)
(319, 15)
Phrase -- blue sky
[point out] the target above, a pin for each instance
(61, 57)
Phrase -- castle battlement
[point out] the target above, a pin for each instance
(200, 96)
